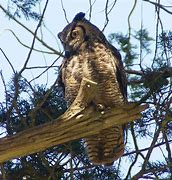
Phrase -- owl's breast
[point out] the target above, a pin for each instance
(73, 70)
(102, 67)
(97, 64)
(73, 73)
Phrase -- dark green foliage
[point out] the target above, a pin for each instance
(165, 41)
(144, 39)
(159, 168)
(125, 46)
(39, 106)
(164, 50)
(26, 106)
(129, 51)
(19, 8)
(150, 84)
(96, 173)
(48, 104)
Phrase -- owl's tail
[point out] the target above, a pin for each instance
(106, 147)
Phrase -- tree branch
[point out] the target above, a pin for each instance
(26, 28)
(160, 73)
(76, 123)
(159, 5)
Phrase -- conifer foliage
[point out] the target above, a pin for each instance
(25, 104)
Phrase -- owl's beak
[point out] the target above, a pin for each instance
(66, 46)
(60, 36)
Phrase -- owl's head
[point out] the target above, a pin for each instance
(79, 34)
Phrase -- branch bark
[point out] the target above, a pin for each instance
(77, 122)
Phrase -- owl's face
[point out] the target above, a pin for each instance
(79, 34)
(72, 37)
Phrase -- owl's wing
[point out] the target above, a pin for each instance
(120, 72)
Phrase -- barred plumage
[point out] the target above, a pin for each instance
(89, 54)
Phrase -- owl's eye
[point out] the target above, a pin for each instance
(74, 34)
(78, 33)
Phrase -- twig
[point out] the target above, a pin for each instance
(5, 87)
(9, 62)
(90, 9)
(112, 6)
(135, 159)
(48, 67)
(107, 12)
(168, 149)
(142, 171)
(34, 38)
(26, 28)
(42, 67)
(106, 15)
(160, 6)
(65, 14)
(129, 16)
(145, 149)
(26, 46)
(129, 71)
(156, 35)
(153, 171)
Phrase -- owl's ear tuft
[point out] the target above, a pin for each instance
(79, 16)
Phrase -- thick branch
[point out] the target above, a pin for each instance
(76, 123)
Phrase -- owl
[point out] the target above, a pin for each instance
(88, 54)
